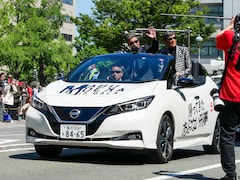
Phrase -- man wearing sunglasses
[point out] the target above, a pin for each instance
(182, 65)
(135, 46)
(116, 73)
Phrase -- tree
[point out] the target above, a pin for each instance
(111, 18)
(84, 43)
(30, 40)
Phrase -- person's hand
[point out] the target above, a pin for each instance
(229, 27)
(178, 74)
(152, 33)
(231, 24)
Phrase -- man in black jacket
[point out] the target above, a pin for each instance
(135, 46)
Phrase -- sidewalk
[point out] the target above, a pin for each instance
(12, 122)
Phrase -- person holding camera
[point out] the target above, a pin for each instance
(228, 40)
(135, 45)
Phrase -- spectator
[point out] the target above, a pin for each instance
(30, 92)
(9, 91)
(182, 63)
(135, 46)
(35, 89)
(24, 100)
(2, 86)
(228, 40)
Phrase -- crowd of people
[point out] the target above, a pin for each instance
(15, 97)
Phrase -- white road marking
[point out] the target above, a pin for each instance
(8, 145)
(5, 141)
(190, 171)
(12, 145)
(11, 135)
(17, 149)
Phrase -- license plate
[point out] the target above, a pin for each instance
(72, 131)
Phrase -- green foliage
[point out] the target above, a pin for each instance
(28, 33)
(29, 41)
(89, 50)
(111, 18)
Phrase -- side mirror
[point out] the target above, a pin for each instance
(61, 78)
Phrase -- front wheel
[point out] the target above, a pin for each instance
(164, 150)
(48, 151)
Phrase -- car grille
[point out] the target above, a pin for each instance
(92, 117)
(85, 113)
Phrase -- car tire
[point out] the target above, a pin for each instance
(214, 148)
(164, 143)
(47, 151)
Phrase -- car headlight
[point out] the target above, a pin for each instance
(132, 105)
(38, 104)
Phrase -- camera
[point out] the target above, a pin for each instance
(237, 23)
(217, 102)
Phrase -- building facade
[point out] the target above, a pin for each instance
(218, 8)
(68, 28)
(230, 8)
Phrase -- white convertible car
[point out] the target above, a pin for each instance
(142, 111)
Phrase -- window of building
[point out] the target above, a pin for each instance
(208, 49)
(70, 2)
(214, 10)
(67, 37)
(67, 19)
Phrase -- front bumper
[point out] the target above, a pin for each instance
(122, 131)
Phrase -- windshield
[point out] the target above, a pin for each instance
(123, 67)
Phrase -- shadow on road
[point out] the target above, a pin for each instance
(188, 176)
(99, 156)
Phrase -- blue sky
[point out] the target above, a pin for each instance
(83, 6)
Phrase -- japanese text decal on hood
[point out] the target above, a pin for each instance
(93, 89)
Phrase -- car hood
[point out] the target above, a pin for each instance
(61, 93)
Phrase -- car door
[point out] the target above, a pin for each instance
(199, 105)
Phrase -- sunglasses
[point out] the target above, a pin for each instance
(169, 39)
(113, 72)
(132, 43)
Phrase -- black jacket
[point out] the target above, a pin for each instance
(149, 49)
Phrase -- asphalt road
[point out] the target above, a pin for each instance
(19, 161)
